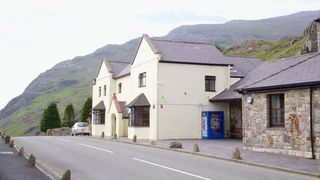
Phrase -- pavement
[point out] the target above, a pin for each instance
(224, 148)
(93, 158)
(13, 167)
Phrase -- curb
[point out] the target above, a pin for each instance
(41, 166)
(216, 157)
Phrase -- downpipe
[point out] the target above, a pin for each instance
(313, 156)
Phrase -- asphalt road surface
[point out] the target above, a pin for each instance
(96, 159)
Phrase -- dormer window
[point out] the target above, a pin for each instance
(142, 79)
(119, 88)
(94, 81)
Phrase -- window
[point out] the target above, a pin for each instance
(210, 83)
(98, 117)
(100, 91)
(105, 90)
(119, 88)
(276, 110)
(139, 116)
(142, 79)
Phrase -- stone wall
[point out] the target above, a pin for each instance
(294, 137)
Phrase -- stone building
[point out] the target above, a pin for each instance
(281, 106)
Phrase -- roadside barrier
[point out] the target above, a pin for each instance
(11, 143)
(196, 148)
(7, 139)
(102, 134)
(236, 154)
(134, 139)
(31, 161)
(21, 151)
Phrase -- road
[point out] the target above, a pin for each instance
(96, 159)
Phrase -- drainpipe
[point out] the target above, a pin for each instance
(311, 125)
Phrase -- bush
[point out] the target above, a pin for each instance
(68, 118)
(86, 110)
(50, 118)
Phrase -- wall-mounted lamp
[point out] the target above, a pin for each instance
(249, 100)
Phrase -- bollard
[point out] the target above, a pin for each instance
(31, 161)
(115, 137)
(11, 143)
(66, 175)
(102, 134)
(196, 148)
(236, 154)
(7, 139)
(134, 139)
(3, 135)
(21, 151)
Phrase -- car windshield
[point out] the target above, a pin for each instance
(82, 124)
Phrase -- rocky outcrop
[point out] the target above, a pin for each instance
(312, 43)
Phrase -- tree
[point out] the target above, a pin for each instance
(68, 118)
(50, 118)
(86, 110)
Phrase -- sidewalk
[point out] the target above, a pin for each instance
(13, 167)
(225, 148)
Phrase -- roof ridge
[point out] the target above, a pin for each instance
(176, 41)
(118, 61)
(282, 70)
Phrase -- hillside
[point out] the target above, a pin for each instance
(70, 81)
(268, 50)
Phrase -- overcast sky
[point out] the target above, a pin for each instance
(37, 34)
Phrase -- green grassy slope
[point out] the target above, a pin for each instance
(268, 50)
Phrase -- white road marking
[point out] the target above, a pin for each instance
(96, 148)
(6, 152)
(64, 140)
(172, 169)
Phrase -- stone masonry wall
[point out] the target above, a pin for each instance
(294, 137)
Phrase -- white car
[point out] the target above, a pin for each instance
(80, 128)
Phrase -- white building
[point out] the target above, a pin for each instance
(164, 91)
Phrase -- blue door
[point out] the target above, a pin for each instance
(213, 125)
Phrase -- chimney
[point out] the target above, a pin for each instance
(312, 43)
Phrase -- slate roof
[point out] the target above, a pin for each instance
(227, 94)
(289, 72)
(189, 53)
(99, 106)
(123, 107)
(119, 68)
(140, 100)
(292, 72)
(242, 65)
